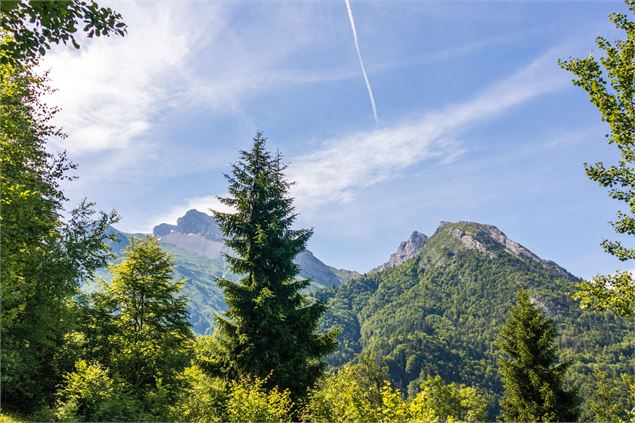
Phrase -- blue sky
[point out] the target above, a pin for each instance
(475, 119)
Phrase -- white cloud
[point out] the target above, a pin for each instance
(111, 89)
(348, 164)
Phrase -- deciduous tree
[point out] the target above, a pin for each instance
(610, 83)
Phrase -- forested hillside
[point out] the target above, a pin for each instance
(439, 313)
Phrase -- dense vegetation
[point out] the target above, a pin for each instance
(439, 337)
(440, 313)
(43, 256)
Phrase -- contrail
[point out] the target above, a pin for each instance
(361, 62)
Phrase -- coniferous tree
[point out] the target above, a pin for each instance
(532, 376)
(270, 330)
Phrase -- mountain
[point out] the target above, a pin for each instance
(406, 250)
(438, 304)
(196, 243)
(195, 232)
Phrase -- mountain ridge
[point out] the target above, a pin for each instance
(197, 246)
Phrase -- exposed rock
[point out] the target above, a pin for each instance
(163, 229)
(195, 243)
(477, 236)
(541, 305)
(468, 240)
(488, 238)
(510, 246)
(406, 250)
(196, 222)
(199, 233)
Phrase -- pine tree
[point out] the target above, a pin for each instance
(270, 330)
(532, 376)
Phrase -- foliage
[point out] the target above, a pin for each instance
(31, 26)
(438, 402)
(90, 394)
(270, 330)
(205, 398)
(606, 404)
(532, 376)
(354, 393)
(608, 292)
(360, 392)
(202, 398)
(145, 318)
(615, 101)
(440, 312)
(250, 401)
(43, 256)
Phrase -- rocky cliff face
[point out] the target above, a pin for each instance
(193, 222)
(492, 241)
(199, 233)
(195, 231)
(477, 235)
(406, 250)
(313, 268)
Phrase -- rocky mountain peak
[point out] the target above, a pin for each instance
(478, 236)
(199, 223)
(193, 222)
(162, 229)
(406, 250)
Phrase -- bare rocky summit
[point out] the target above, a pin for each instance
(406, 250)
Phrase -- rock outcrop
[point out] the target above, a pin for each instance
(406, 250)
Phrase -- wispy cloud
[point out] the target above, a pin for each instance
(348, 164)
(361, 61)
(111, 89)
(114, 92)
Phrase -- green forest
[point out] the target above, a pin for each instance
(98, 325)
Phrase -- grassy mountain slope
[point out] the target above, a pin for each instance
(440, 311)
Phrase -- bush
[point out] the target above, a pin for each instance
(90, 394)
(202, 399)
(249, 401)
(438, 402)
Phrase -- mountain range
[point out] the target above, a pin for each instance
(197, 247)
(433, 308)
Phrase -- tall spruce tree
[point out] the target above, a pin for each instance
(270, 329)
(532, 376)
